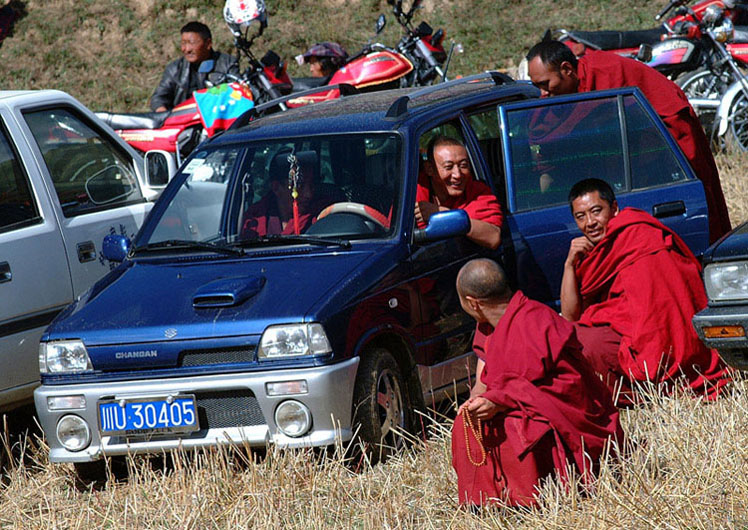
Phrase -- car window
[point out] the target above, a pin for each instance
(554, 146)
(88, 171)
(485, 125)
(652, 160)
(17, 205)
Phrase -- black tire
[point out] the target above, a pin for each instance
(94, 475)
(381, 407)
(703, 84)
(737, 131)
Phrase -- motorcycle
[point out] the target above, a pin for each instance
(418, 59)
(211, 109)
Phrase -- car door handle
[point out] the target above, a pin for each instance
(86, 251)
(5, 274)
(669, 209)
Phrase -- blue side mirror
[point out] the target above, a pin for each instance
(115, 247)
(206, 66)
(443, 225)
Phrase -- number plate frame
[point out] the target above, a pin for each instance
(131, 416)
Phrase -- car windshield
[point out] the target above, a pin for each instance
(321, 190)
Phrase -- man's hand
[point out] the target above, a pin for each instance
(481, 408)
(161, 109)
(424, 211)
(578, 249)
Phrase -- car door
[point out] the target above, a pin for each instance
(550, 144)
(35, 281)
(94, 181)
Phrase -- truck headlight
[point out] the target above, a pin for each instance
(63, 357)
(726, 281)
(293, 340)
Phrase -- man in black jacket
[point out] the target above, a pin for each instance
(181, 77)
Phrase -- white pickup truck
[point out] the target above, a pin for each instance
(66, 181)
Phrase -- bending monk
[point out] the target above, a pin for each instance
(632, 286)
(540, 407)
(449, 185)
(555, 70)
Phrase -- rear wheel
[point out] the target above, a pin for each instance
(737, 133)
(704, 84)
(381, 408)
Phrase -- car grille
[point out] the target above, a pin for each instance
(231, 408)
(218, 356)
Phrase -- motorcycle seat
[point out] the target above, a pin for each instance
(146, 120)
(307, 83)
(614, 40)
(740, 36)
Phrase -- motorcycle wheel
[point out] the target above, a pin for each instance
(704, 84)
(737, 133)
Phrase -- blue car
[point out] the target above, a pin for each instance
(224, 325)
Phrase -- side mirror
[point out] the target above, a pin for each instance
(115, 247)
(381, 23)
(206, 66)
(443, 225)
(160, 166)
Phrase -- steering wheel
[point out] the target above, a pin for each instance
(356, 208)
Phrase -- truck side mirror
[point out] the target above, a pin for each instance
(115, 247)
(443, 225)
(160, 166)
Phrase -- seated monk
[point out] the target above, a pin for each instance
(448, 184)
(273, 214)
(540, 407)
(632, 285)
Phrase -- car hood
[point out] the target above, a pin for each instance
(152, 301)
(733, 246)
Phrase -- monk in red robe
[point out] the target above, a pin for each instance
(632, 286)
(448, 184)
(555, 70)
(540, 407)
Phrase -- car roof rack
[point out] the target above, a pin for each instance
(400, 105)
(345, 89)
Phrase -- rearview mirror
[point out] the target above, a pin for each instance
(381, 23)
(443, 225)
(206, 66)
(160, 166)
(115, 247)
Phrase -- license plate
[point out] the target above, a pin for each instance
(148, 415)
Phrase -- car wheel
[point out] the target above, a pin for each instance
(381, 408)
(93, 475)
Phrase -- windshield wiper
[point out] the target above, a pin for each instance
(181, 244)
(281, 239)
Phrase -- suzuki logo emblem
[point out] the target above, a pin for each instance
(170, 333)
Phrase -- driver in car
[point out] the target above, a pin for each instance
(273, 214)
(447, 184)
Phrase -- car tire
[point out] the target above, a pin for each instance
(94, 475)
(381, 407)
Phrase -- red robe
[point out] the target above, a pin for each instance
(643, 281)
(478, 201)
(599, 70)
(558, 410)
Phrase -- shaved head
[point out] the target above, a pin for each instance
(483, 279)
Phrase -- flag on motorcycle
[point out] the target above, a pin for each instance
(221, 105)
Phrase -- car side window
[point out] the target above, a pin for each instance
(485, 125)
(652, 160)
(89, 172)
(17, 205)
(554, 146)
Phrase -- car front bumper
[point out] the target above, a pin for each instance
(723, 321)
(233, 409)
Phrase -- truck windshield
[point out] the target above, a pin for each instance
(336, 188)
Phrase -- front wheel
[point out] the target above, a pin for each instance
(704, 84)
(737, 132)
(381, 408)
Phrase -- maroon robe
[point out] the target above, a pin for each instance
(599, 70)
(558, 410)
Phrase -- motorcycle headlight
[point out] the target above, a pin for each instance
(293, 340)
(724, 31)
(63, 357)
(726, 281)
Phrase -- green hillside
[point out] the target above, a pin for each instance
(111, 54)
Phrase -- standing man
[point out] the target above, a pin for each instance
(555, 70)
(539, 407)
(631, 285)
(181, 77)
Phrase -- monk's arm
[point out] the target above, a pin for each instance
(478, 387)
(484, 234)
(571, 300)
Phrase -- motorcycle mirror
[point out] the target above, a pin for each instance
(206, 66)
(416, 5)
(381, 23)
(644, 54)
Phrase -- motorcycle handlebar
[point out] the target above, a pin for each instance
(667, 8)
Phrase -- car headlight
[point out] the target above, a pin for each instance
(63, 357)
(293, 340)
(726, 281)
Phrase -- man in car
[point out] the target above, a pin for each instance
(447, 184)
(631, 286)
(555, 70)
(540, 407)
(181, 77)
